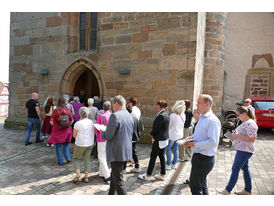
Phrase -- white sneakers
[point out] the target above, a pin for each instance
(150, 178)
(173, 166)
(222, 191)
(136, 170)
(168, 167)
(145, 177)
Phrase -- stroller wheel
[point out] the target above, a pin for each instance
(230, 143)
(221, 140)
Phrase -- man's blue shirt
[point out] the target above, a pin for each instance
(206, 135)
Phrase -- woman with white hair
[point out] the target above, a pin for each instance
(84, 135)
(93, 111)
(175, 131)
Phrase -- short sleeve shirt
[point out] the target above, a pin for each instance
(248, 128)
(30, 105)
(93, 113)
(85, 133)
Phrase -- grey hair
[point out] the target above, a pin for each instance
(119, 99)
(66, 97)
(96, 98)
(179, 107)
(90, 101)
(83, 112)
(76, 98)
(106, 105)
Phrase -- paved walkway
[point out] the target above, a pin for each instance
(33, 169)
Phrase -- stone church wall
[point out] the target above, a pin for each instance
(158, 48)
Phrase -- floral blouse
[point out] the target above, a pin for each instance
(248, 128)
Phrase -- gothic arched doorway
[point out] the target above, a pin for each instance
(82, 76)
(86, 86)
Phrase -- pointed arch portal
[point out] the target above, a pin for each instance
(82, 76)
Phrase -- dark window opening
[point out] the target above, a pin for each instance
(87, 31)
(93, 31)
(82, 29)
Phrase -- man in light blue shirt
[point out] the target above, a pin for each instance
(204, 145)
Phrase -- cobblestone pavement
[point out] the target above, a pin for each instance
(33, 169)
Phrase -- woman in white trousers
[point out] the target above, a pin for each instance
(101, 144)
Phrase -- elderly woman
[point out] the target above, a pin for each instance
(93, 111)
(175, 131)
(76, 106)
(101, 144)
(245, 137)
(84, 135)
(61, 136)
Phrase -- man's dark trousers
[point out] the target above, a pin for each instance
(156, 151)
(134, 155)
(201, 166)
(117, 180)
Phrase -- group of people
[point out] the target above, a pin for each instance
(120, 127)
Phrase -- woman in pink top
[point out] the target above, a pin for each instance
(244, 136)
(101, 144)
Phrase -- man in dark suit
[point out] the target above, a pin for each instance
(119, 133)
(159, 135)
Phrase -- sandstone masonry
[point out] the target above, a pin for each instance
(159, 49)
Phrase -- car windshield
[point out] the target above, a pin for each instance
(265, 105)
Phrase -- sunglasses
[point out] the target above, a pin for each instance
(247, 102)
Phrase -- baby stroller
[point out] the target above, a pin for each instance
(229, 123)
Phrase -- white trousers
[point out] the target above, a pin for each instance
(103, 167)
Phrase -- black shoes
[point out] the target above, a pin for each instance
(107, 180)
(28, 143)
(35, 142)
(186, 182)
